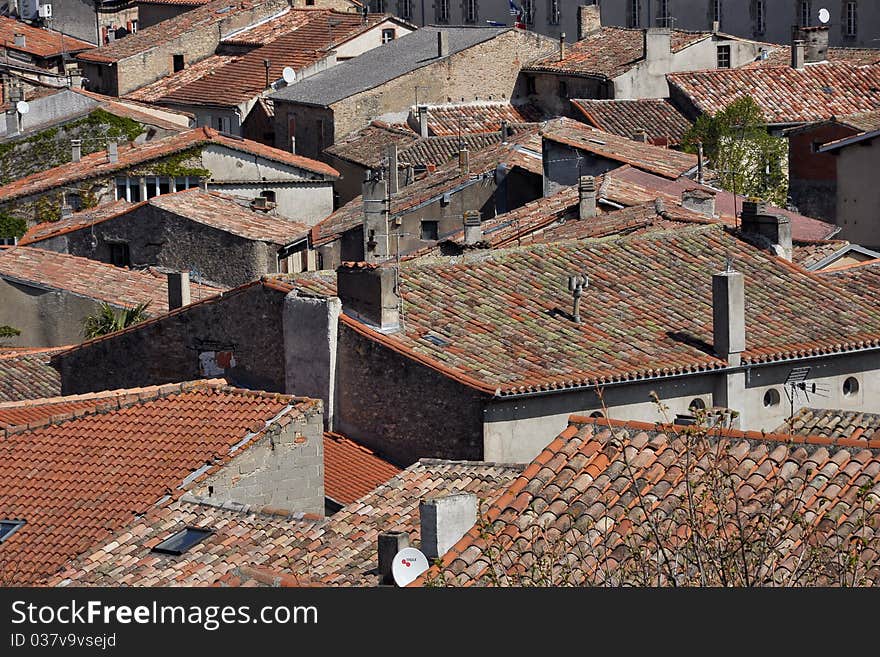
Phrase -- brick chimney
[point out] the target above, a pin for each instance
(389, 544)
(815, 42)
(368, 294)
(178, 289)
(699, 200)
(586, 197)
(473, 228)
(75, 150)
(442, 43)
(658, 43)
(798, 54)
(376, 241)
(423, 120)
(589, 20)
(112, 152)
(775, 228)
(444, 520)
(728, 315)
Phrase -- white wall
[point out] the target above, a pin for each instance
(368, 40)
(306, 203)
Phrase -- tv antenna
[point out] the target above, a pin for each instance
(824, 16)
(408, 564)
(796, 384)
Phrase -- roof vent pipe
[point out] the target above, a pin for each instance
(576, 285)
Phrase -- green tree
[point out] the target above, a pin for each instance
(8, 332)
(106, 320)
(747, 159)
(11, 226)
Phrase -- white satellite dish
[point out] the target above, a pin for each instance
(22, 107)
(408, 564)
(289, 75)
(824, 15)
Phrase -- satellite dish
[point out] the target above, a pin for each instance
(289, 75)
(408, 564)
(824, 15)
(22, 107)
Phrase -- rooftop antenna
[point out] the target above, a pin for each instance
(796, 384)
(576, 285)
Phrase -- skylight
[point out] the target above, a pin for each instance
(9, 527)
(183, 540)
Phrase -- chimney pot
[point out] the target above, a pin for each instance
(444, 520)
(368, 294)
(442, 43)
(586, 197)
(76, 150)
(473, 229)
(112, 152)
(728, 316)
(390, 543)
(178, 289)
(423, 120)
(798, 54)
(589, 20)
(561, 46)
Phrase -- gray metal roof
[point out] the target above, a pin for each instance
(379, 65)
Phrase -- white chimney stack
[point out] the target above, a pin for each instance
(112, 152)
(728, 315)
(586, 197)
(445, 520)
(76, 150)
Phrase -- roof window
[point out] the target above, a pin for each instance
(183, 540)
(9, 527)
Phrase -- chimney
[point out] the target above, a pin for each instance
(423, 120)
(797, 54)
(376, 241)
(13, 122)
(393, 182)
(504, 130)
(464, 161)
(368, 294)
(641, 135)
(178, 289)
(390, 543)
(699, 200)
(75, 150)
(716, 27)
(815, 42)
(20, 40)
(66, 210)
(473, 229)
(112, 152)
(442, 43)
(700, 162)
(444, 520)
(587, 197)
(658, 43)
(561, 46)
(756, 220)
(589, 20)
(728, 315)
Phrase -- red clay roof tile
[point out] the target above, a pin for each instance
(38, 41)
(26, 374)
(350, 470)
(658, 117)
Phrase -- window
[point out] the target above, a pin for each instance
(182, 541)
(553, 13)
(310, 3)
(388, 35)
(528, 7)
(120, 256)
(177, 63)
(663, 17)
(134, 26)
(471, 11)
(430, 230)
(442, 7)
(716, 11)
(634, 14)
(74, 200)
(697, 404)
(806, 13)
(129, 188)
(723, 56)
(563, 89)
(850, 387)
(852, 19)
(405, 9)
(268, 194)
(378, 6)
(597, 414)
(9, 527)
(771, 398)
(530, 85)
(760, 17)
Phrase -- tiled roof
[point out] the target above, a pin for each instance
(661, 161)
(630, 186)
(92, 279)
(28, 375)
(97, 164)
(609, 52)
(156, 91)
(351, 470)
(786, 95)
(141, 112)
(77, 220)
(437, 151)
(148, 38)
(303, 37)
(339, 551)
(454, 118)
(576, 515)
(807, 254)
(435, 184)
(833, 424)
(32, 411)
(192, 3)
(503, 326)
(80, 478)
(658, 117)
(367, 147)
(865, 122)
(38, 41)
(779, 55)
(861, 279)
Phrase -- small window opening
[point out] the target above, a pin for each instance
(9, 527)
(771, 398)
(850, 387)
(183, 540)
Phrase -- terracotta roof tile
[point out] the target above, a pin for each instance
(92, 279)
(26, 374)
(785, 95)
(579, 519)
(654, 159)
(77, 480)
(97, 164)
(454, 118)
(77, 220)
(609, 52)
(833, 424)
(780, 55)
(807, 254)
(864, 122)
(350, 470)
(38, 41)
(658, 117)
(338, 551)
(861, 279)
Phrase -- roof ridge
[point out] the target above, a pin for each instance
(247, 509)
